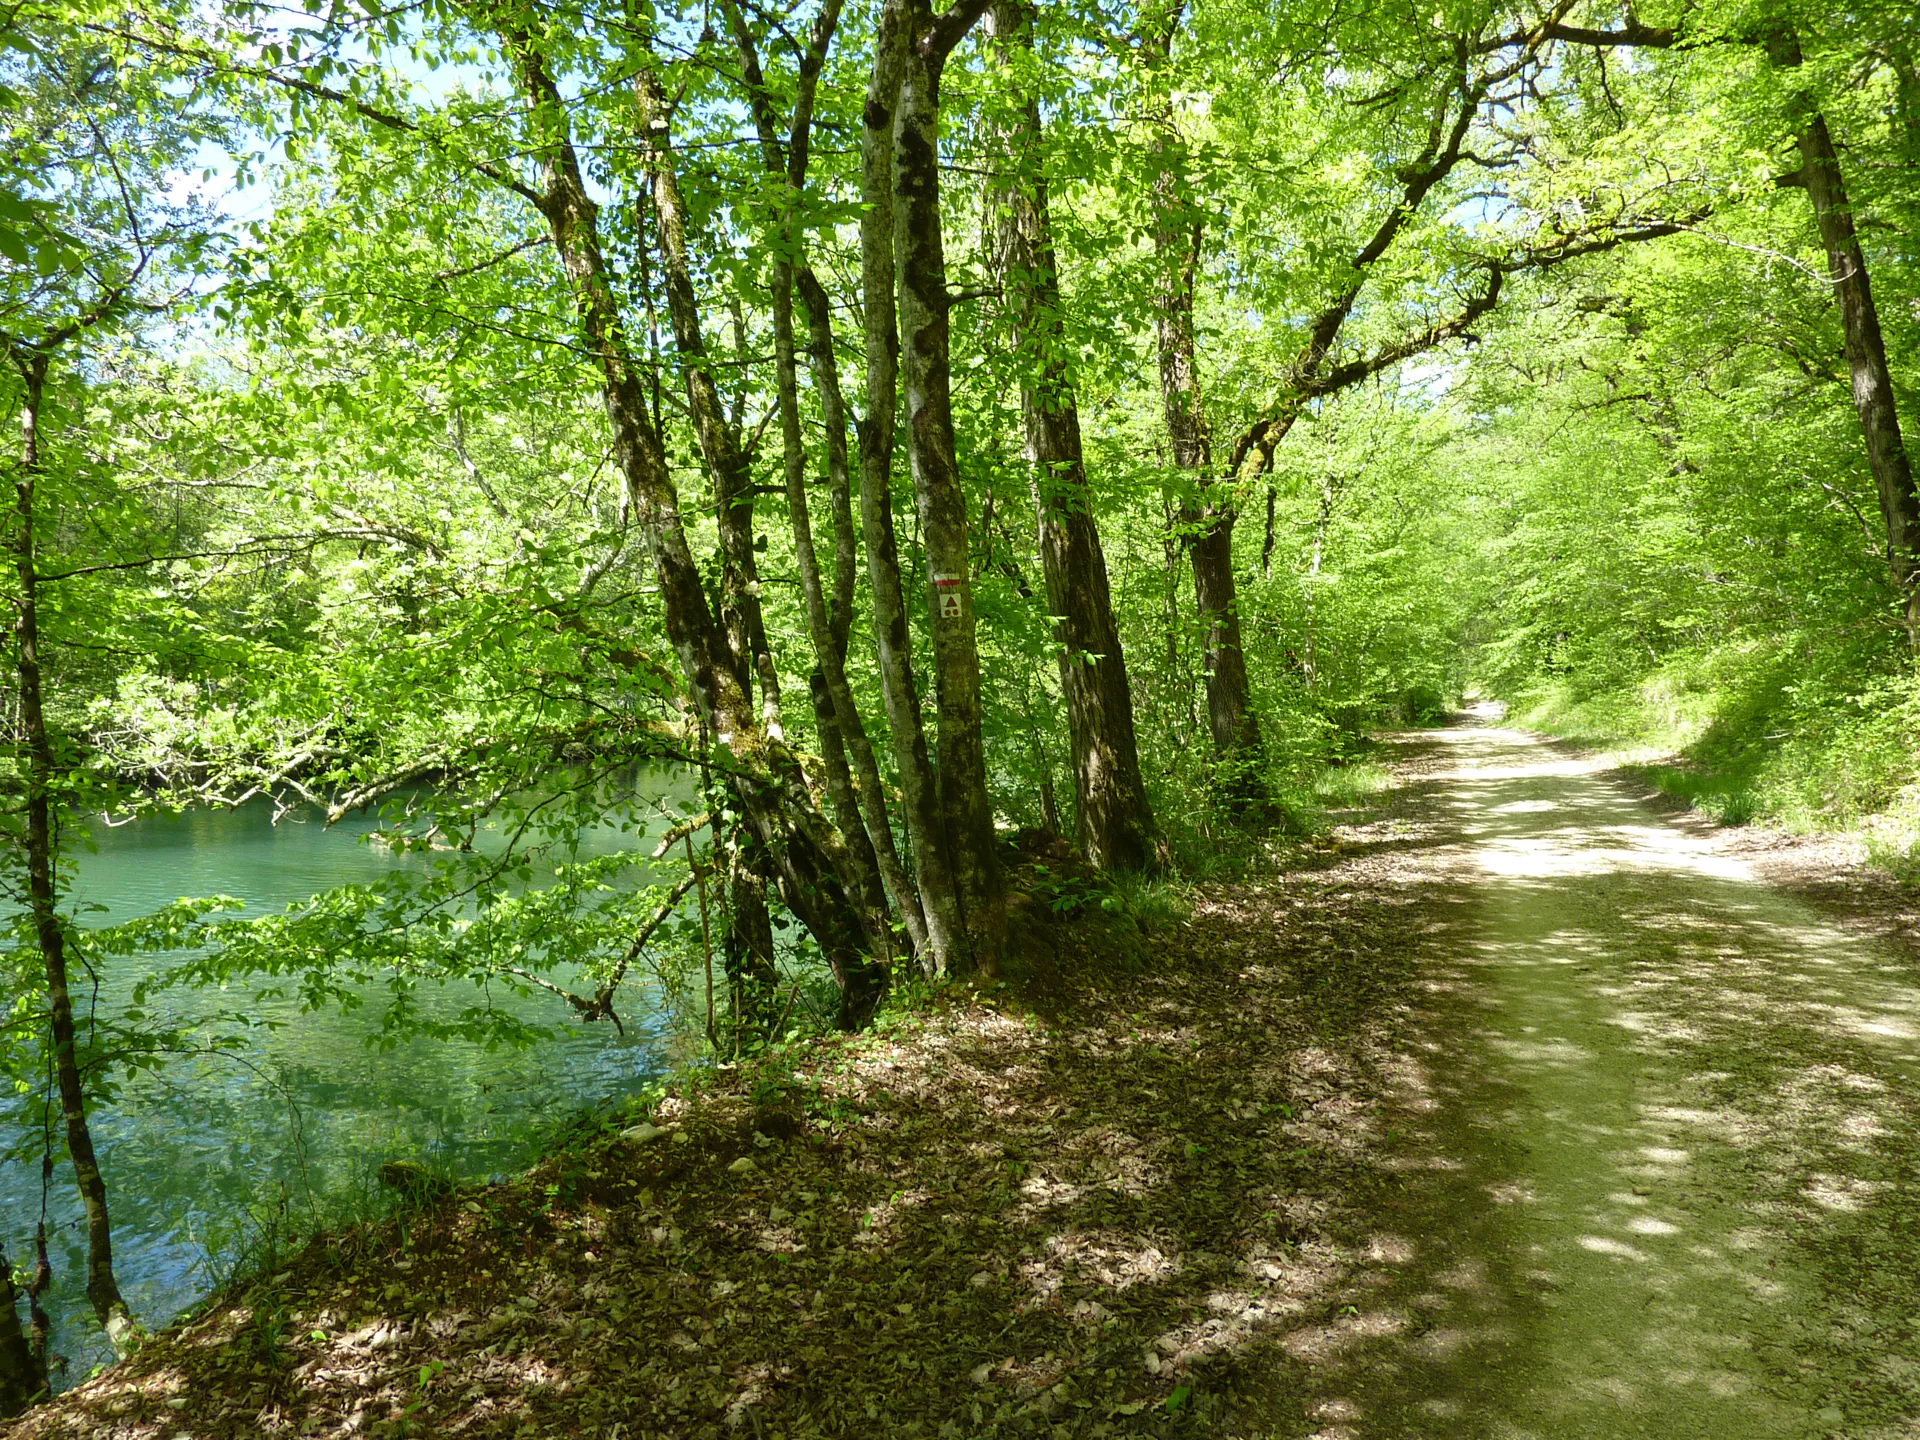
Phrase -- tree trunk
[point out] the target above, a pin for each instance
(1866, 350)
(20, 1379)
(752, 977)
(794, 839)
(1310, 660)
(921, 283)
(1113, 820)
(1206, 521)
(837, 616)
(1906, 76)
(39, 1322)
(103, 1291)
(727, 462)
(947, 947)
(847, 752)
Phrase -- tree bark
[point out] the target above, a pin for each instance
(1866, 349)
(795, 841)
(103, 1290)
(847, 752)
(727, 463)
(20, 1380)
(1113, 820)
(753, 980)
(871, 796)
(948, 951)
(921, 283)
(1207, 519)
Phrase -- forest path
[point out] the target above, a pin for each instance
(1660, 1131)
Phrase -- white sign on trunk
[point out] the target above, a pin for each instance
(947, 588)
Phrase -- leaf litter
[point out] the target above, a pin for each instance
(1142, 1205)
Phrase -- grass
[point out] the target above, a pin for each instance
(1782, 732)
(1340, 786)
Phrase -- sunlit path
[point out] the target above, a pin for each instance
(1666, 1135)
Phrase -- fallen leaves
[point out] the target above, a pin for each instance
(1119, 1222)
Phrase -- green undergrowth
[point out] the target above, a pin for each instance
(1786, 732)
(1301, 799)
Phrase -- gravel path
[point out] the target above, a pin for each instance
(1662, 1174)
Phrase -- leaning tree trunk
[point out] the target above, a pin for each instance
(948, 950)
(103, 1291)
(796, 843)
(20, 1379)
(921, 283)
(1866, 349)
(1114, 821)
(726, 460)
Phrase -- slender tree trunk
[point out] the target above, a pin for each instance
(39, 1322)
(1866, 350)
(1114, 822)
(844, 795)
(1310, 662)
(921, 282)
(103, 1291)
(20, 1378)
(877, 875)
(1268, 540)
(852, 772)
(794, 840)
(752, 978)
(1207, 521)
(727, 462)
(947, 950)
(1173, 561)
(871, 795)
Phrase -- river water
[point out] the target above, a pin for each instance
(197, 1155)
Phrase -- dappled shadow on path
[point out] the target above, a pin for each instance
(1525, 1115)
(1673, 1111)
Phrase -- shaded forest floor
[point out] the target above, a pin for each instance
(1233, 1193)
(1141, 1210)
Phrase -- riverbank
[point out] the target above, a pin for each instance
(1513, 1110)
(213, 1155)
(1114, 1209)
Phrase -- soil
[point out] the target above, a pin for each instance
(1516, 1109)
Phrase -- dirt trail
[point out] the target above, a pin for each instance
(1662, 1179)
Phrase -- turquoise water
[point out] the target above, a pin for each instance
(301, 1119)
